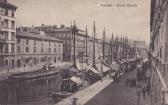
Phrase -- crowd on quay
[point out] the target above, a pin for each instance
(140, 77)
(121, 66)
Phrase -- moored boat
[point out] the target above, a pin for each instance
(58, 96)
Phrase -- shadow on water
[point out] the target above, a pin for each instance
(29, 92)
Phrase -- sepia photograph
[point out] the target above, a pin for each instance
(83, 52)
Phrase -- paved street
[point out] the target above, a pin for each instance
(118, 94)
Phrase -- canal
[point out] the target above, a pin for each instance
(29, 92)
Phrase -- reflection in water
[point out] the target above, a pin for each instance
(29, 92)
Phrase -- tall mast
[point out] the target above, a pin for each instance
(111, 46)
(74, 29)
(104, 43)
(86, 40)
(94, 36)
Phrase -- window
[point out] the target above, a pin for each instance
(55, 44)
(49, 43)
(27, 49)
(18, 49)
(12, 36)
(5, 23)
(13, 14)
(34, 49)
(55, 50)
(49, 50)
(6, 48)
(12, 24)
(1, 10)
(59, 35)
(18, 40)
(41, 43)
(6, 12)
(68, 48)
(12, 48)
(34, 42)
(6, 35)
(42, 50)
(6, 62)
(27, 41)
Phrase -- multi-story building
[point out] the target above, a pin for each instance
(33, 47)
(98, 47)
(7, 33)
(65, 34)
(159, 51)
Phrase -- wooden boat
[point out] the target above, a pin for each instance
(33, 74)
(60, 95)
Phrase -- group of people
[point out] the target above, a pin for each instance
(143, 79)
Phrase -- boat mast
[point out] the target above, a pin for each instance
(94, 36)
(103, 44)
(111, 46)
(86, 42)
(74, 29)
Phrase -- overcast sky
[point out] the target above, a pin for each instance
(130, 21)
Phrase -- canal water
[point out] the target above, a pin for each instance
(29, 92)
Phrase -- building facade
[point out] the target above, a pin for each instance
(7, 33)
(159, 51)
(65, 34)
(33, 47)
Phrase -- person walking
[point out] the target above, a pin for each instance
(138, 95)
(144, 91)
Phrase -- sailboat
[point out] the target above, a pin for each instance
(72, 79)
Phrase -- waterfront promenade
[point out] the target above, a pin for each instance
(87, 93)
(108, 92)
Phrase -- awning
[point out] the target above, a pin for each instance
(114, 66)
(72, 68)
(77, 80)
(81, 66)
(93, 70)
(145, 60)
(102, 68)
(78, 65)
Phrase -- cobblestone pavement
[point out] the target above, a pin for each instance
(117, 93)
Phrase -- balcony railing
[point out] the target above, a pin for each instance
(7, 27)
(7, 53)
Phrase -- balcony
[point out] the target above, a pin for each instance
(7, 28)
(7, 41)
(7, 53)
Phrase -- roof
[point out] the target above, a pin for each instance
(35, 36)
(7, 5)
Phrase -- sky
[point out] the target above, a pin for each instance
(132, 22)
